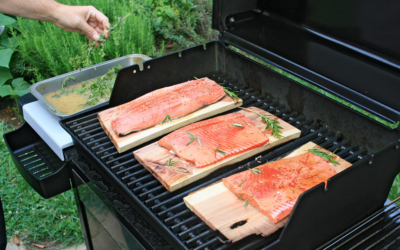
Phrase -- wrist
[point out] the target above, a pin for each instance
(54, 12)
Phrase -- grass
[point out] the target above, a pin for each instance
(30, 216)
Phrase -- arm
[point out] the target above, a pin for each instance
(83, 19)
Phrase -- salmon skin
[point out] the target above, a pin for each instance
(275, 189)
(218, 138)
(175, 101)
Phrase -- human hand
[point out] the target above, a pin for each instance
(82, 19)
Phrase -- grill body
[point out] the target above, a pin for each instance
(319, 215)
(122, 205)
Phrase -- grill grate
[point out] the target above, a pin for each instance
(379, 231)
(170, 209)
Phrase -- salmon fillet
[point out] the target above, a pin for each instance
(216, 133)
(275, 190)
(176, 101)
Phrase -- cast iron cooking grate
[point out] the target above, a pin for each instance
(168, 208)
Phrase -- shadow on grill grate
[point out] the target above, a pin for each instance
(170, 208)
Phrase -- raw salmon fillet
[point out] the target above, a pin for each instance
(216, 133)
(275, 190)
(175, 101)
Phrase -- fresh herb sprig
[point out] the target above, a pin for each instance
(192, 139)
(100, 87)
(325, 155)
(84, 59)
(166, 119)
(255, 171)
(272, 124)
(237, 125)
(171, 163)
(247, 201)
(232, 94)
(219, 151)
(64, 91)
(227, 90)
(242, 183)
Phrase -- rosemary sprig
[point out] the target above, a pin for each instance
(192, 139)
(171, 163)
(84, 59)
(242, 183)
(247, 201)
(255, 171)
(219, 151)
(325, 155)
(167, 118)
(272, 124)
(64, 91)
(237, 125)
(240, 197)
(232, 94)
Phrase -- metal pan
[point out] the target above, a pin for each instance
(39, 89)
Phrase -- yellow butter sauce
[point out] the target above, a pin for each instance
(67, 104)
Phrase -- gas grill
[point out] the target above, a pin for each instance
(121, 205)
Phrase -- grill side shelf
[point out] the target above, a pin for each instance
(37, 163)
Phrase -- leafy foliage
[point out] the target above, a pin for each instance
(395, 190)
(30, 216)
(8, 86)
(46, 50)
(6, 20)
(18, 87)
(183, 22)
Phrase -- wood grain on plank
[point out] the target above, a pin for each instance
(219, 208)
(124, 143)
(155, 158)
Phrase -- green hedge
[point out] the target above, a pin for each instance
(44, 50)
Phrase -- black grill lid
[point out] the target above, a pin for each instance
(347, 47)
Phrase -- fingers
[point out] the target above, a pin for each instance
(98, 20)
(89, 31)
(83, 19)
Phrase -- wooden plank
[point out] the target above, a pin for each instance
(217, 206)
(155, 158)
(124, 143)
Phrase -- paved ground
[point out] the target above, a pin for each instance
(12, 246)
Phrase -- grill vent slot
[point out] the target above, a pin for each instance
(169, 209)
(34, 163)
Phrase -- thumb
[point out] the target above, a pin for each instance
(89, 31)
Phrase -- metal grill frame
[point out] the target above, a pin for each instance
(294, 229)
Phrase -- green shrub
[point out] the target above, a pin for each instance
(184, 23)
(9, 86)
(46, 50)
